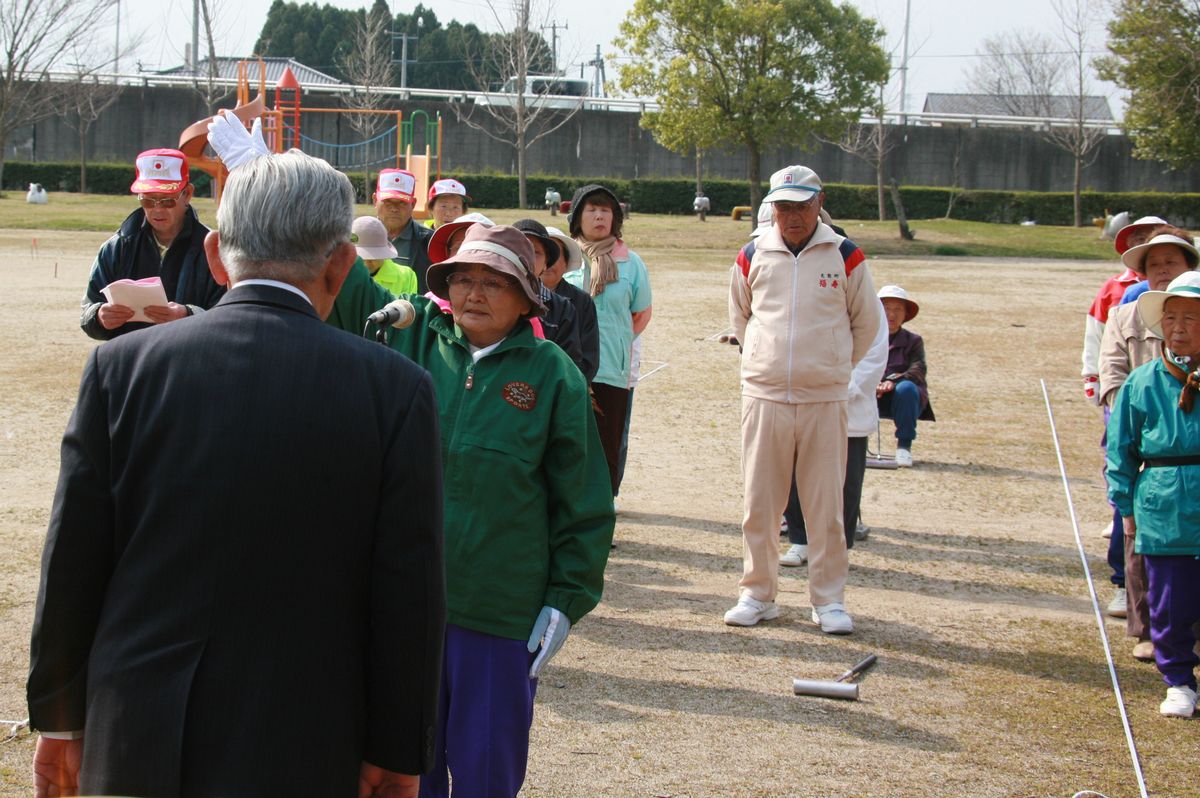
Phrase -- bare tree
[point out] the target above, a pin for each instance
(872, 142)
(83, 100)
(515, 115)
(36, 37)
(206, 85)
(367, 64)
(1036, 75)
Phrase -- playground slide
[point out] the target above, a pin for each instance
(419, 166)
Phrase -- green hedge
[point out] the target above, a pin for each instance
(674, 195)
(102, 178)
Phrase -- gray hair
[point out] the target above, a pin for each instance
(281, 216)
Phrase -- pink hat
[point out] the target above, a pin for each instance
(442, 187)
(439, 244)
(370, 239)
(396, 184)
(161, 171)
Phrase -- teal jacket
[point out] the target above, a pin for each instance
(1146, 423)
(529, 513)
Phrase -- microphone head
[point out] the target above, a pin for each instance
(407, 314)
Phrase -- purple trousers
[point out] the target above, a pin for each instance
(484, 714)
(1174, 594)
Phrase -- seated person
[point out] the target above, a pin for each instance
(903, 395)
(370, 240)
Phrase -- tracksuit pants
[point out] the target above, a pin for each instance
(856, 469)
(1174, 592)
(485, 711)
(778, 437)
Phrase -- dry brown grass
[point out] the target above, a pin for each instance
(991, 679)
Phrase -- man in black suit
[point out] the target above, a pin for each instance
(242, 586)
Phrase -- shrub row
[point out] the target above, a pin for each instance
(102, 178)
(674, 195)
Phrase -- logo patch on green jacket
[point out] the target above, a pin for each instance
(520, 395)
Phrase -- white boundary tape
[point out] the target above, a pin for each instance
(1112, 670)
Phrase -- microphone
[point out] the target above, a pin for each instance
(399, 313)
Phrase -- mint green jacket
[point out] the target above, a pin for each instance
(529, 513)
(1146, 424)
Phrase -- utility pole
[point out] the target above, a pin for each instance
(554, 26)
(904, 64)
(598, 76)
(195, 36)
(117, 46)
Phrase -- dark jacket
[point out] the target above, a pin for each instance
(560, 326)
(585, 323)
(132, 253)
(412, 250)
(906, 361)
(242, 589)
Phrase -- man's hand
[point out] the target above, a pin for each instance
(375, 782)
(1130, 526)
(1091, 388)
(160, 314)
(56, 767)
(887, 386)
(113, 316)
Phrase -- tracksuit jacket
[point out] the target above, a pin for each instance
(803, 320)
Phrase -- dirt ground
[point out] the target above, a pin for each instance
(991, 678)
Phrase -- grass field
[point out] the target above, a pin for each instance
(991, 680)
(95, 212)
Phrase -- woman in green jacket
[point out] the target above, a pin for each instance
(528, 518)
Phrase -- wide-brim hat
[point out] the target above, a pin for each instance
(503, 249)
(396, 184)
(1135, 257)
(793, 184)
(911, 309)
(570, 248)
(370, 239)
(581, 197)
(1150, 304)
(160, 171)
(534, 228)
(439, 244)
(1121, 239)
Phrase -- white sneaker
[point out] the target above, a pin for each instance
(904, 458)
(796, 555)
(1180, 702)
(748, 612)
(1118, 607)
(833, 618)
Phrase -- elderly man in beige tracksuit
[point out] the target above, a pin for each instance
(802, 303)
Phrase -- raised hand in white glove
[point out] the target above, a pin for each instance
(550, 631)
(233, 143)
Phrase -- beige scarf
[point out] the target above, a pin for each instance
(604, 268)
(1190, 380)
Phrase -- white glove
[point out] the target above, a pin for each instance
(550, 631)
(233, 143)
(1091, 388)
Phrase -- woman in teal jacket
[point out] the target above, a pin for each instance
(528, 517)
(1154, 481)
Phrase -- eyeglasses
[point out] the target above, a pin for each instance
(795, 207)
(491, 287)
(165, 202)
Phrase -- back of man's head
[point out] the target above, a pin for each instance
(281, 215)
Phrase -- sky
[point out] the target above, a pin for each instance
(944, 35)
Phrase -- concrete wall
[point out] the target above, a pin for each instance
(611, 144)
